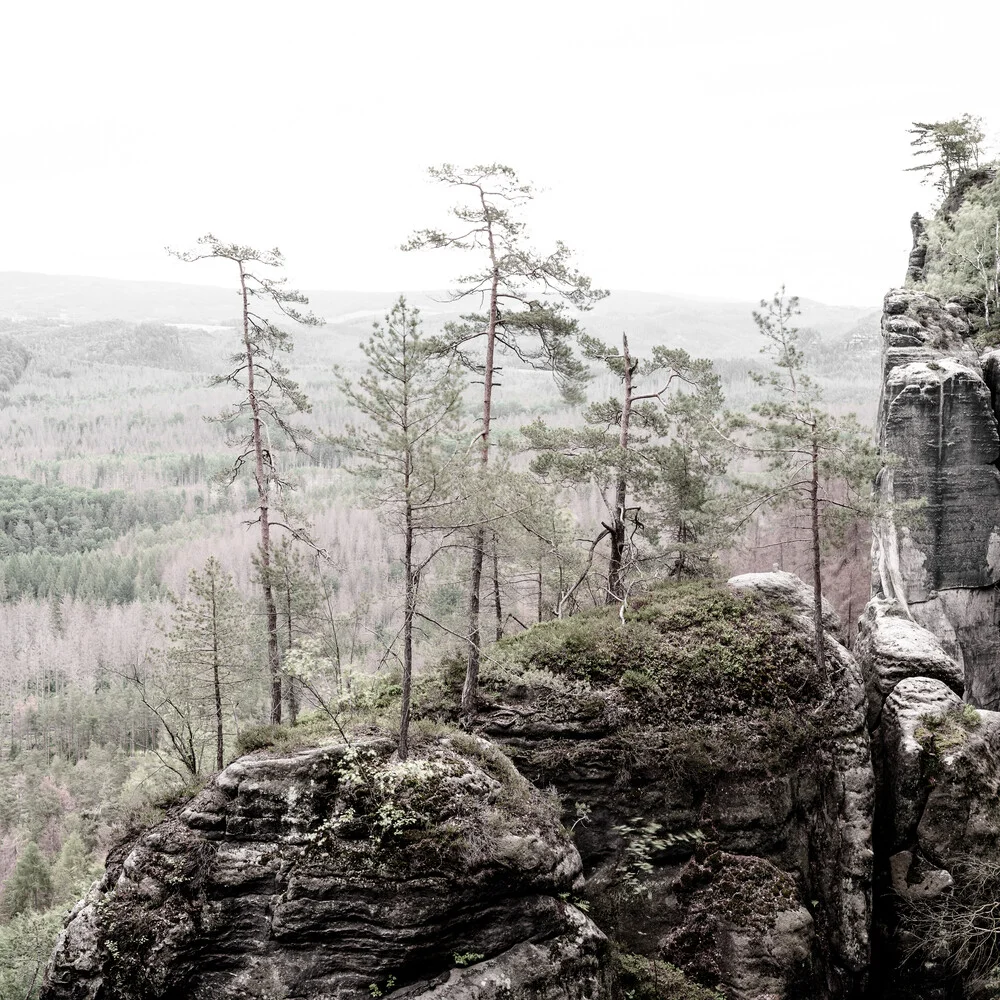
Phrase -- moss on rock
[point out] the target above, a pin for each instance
(697, 650)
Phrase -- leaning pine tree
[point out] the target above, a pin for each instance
(268, 400)
(523, 294)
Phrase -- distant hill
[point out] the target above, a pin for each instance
(709, 327)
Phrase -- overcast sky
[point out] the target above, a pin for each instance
(715, 149)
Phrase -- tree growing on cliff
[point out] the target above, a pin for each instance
(952, 148)
(261, 420)
(524, 294)
(411, 456)
(815, 462)
(208, 642)
(964, 257)
(652, 454)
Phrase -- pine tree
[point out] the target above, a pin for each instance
(73, 870)
(269, 400)
(299, 598)
(525, 293)
(954, 148)
(653, 455)
(208, 642)
(816, 462)
(412, 401)
(29, 887)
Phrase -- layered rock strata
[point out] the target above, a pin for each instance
(776, 900)
(937, 424)
(335, 873)
(929, 647)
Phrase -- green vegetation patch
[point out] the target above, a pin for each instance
(698, 651)
(642, 978)
(941, 734)
(745, 891)
(69, 519)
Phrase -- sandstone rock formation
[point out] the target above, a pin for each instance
(936, 418)
(331, 871)
(918, 254)
(929, 647)
(736, 739)
(717, 787)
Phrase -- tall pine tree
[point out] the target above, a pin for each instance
(525, 294)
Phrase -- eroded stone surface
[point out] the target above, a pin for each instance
(806, 812)
(961, 817)
(791, 590)
(906, 790)
(937, 418)
(272, 882)
(892, 647)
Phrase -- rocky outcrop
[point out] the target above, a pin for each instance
(711, 835)
(676, 726)
(929, 647)
(937, 422)
(892, 647)
(336, 872)
(918, 254)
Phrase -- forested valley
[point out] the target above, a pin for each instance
(146, 636)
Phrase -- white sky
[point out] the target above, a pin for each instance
(702, 148)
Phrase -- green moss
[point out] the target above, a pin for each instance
(940, 734)
(641, 978)
(694, 650)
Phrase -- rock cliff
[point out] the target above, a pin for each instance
(707, 833)
(705, 715)
(936, 419)
(929, 647)
(335, 873)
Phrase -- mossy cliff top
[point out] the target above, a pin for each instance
(700, 650)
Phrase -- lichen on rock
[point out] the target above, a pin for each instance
(319, 873)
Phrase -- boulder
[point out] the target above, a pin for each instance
(905, 790)
(789, 589)
(892, 647)
(335, 871)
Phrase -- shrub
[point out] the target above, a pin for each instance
(644, 978)
(261, 737)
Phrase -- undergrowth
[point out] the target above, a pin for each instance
(696, 650)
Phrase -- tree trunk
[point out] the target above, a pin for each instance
(817, 578)
(290, 692)
(472, 670)
(471, 686)
(216, 681)
(263, 497)
(497, 609)
(408, 613)
(616, 564)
